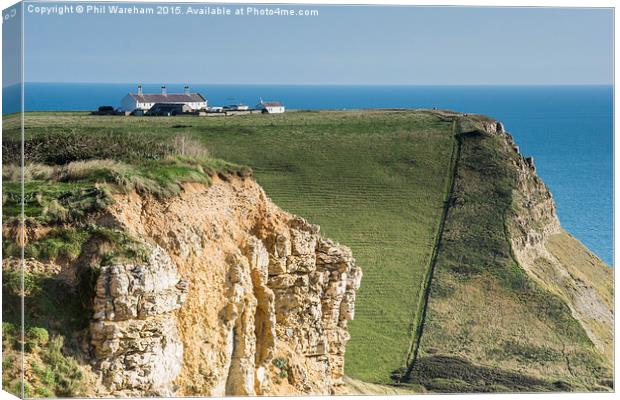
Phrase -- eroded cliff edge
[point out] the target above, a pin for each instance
(238, 298)
(554, 258)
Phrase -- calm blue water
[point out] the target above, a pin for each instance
(567, 129)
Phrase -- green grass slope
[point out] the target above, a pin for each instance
(373, 180)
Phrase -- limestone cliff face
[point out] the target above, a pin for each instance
(544, 249)
(534, 218)
(238, 298)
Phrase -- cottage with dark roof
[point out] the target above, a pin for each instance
(144, 101)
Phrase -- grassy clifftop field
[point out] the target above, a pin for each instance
(421, 198)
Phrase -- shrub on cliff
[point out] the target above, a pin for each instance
(37, 336)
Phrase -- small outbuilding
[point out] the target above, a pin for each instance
(270, 107)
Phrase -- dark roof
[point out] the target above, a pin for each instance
(168, 98)
(271, 104)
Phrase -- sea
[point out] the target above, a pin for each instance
(568, 130)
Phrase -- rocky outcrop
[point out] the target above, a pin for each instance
(238, 298)
(537, 218)
(491, 126)
(314, 282)
(134, 332)
(534, 218)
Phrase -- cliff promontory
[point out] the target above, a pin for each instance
(515, 303)
(238, 298)
(213, 291)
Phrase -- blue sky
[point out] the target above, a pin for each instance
(342, 45)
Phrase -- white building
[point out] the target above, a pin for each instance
(143, 102)
(270, 107)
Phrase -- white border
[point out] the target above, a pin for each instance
(475, 3)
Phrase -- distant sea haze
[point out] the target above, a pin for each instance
(567, 129)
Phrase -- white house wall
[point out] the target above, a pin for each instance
(275, 110)
(145, 106)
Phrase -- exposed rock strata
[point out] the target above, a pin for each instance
(266, 298)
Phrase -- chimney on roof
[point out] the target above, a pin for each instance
(186, 89)
(139, 90)
(164, 91)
